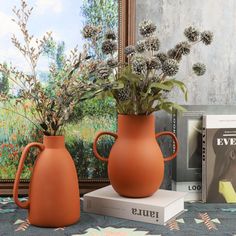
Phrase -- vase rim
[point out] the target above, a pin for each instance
(136, 125)
(132, 115)
(54, 141)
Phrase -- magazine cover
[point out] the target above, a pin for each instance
(187, 167)
(219, 158)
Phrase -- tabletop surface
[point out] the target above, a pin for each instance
(198, 219)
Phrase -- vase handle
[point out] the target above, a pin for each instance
(25, 152)
(97, 155)
(171, 157)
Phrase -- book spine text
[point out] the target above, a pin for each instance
(204, 155)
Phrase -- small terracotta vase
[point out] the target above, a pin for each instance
(136, 163)
(54, 199)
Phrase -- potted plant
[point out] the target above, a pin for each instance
(54, 199)
(135, 163)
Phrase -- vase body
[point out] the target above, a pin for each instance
(136, 163)
(54, 199)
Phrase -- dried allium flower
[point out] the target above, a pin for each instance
(140, 46)
(199, 69)
(103, 71)
(147, 28)
(207, 37)
(152, 44)
(130, 50)
(112, 63)
(110, 34)
(123, 94)
(170, 67)
(154, 63)
(109, 47)
(173, 54)
(192, 34)
(90, 31)
(139, 65)
(161, 56)
(183, 48)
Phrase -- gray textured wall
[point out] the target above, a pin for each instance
(218, 85)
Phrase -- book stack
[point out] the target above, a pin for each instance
(195, 165)
(159, 208)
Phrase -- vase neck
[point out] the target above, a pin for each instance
(136, 125)
(54, 141)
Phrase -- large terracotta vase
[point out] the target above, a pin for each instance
(54, 199)
(135, 163)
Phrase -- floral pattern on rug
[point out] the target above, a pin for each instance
(198, 219)
(110, 231)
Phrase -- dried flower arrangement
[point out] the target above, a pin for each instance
(49, 110)
(141, 86)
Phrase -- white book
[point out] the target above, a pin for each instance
(159, 208)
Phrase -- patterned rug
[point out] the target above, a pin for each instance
(198, 219)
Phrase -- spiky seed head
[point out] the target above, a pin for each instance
(152, 44)
(192, 34)
(109, 47)
(170, 67)
(139, 65)
(207, 37)
(147, 28)
(173, 54)
(123, 94)
(90, 31)
(183, 48)
(199, 69)
(140, 46)
(161, 56)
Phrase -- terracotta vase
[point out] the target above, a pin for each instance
(54, 199)
(135, 163)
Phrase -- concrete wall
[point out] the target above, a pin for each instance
(218, 85)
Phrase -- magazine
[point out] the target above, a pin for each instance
(219, 159)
